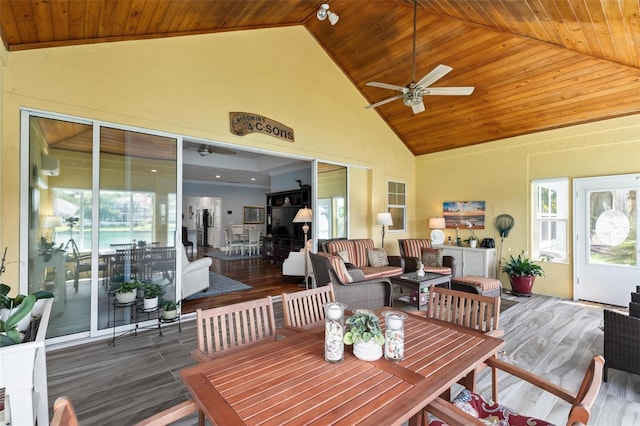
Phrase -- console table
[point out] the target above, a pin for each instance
(480, 262)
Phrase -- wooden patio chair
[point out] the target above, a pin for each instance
(63, 413)
(305, 309)
(174, 414)
(232, 327)
(579, 413)
(469, 310)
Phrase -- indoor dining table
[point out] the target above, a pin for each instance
(288, 381)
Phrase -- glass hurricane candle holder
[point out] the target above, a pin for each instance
(394, 335)
(334, 332)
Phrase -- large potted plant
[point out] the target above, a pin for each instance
(363, 331)
(522, 273)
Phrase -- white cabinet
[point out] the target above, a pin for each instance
(479, 262)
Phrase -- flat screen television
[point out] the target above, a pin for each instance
(282, 225)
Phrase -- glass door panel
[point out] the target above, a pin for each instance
(137, 213)
(60, 227)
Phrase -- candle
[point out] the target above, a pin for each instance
(334, 312)
(394, 323)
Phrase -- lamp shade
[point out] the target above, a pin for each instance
(304, 215)
(437, 223)
(51, 222)
(384, 219)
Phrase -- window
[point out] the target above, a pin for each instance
(397, 204)
(550, 212)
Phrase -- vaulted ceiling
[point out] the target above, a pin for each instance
(535, 64)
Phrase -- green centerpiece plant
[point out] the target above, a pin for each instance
(363, 331)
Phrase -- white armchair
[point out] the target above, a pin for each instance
(293, 265)
(195, 275)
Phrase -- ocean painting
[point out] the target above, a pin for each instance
(459, 214)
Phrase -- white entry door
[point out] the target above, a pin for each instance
(606, 252)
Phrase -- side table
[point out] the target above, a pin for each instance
(420, 284)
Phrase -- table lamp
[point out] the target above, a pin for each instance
(437, 223)
(50, 223)
(305, 216)
(384, 219)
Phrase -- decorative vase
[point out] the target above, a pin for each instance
(521, 285)
(394, 335)
(334, 332)
(150, 304)
(367, 351)
(169, 315)
(127, 297)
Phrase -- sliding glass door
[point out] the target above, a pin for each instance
(102, 210)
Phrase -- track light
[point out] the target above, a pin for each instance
(324, 12)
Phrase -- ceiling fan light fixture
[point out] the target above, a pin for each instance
(204, 150)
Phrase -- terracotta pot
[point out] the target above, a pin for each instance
(521, 286)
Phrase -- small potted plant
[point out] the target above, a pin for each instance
(363, 331)
(473, 240)
(151, 294)
(127, 291)
(170, 310)
(522, 273)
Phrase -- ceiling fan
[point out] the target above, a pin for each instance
(413, 92)
(205, 150)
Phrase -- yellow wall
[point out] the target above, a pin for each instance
(500, 173)
(188, 86)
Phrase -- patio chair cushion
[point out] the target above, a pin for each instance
(338, 266)
(490, 413)
(482, 283)
(431, 256)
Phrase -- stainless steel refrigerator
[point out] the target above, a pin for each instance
(204, 221)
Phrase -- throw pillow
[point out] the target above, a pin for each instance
(431, 257)
(344, 255)
(377, 257)
(340, 268)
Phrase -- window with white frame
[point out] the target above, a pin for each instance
(397, 204)
(550, 213)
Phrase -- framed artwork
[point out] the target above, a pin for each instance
(459, 214)
(253, 214)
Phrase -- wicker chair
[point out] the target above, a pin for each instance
(621, 342)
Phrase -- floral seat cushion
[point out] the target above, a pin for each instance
(490, 413)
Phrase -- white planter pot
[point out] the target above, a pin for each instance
(150, 304)
(367, 351)
(126, 297)
(473, 243)
(169, 315)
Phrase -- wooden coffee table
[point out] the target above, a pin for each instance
(420, 284)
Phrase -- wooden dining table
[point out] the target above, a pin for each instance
(287, 381)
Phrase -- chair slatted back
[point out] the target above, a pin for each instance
(227, 327)
(305, 309)
(63, 413)
(466, 309)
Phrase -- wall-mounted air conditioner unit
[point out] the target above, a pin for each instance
(50, 165)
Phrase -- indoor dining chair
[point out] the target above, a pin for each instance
(253, 244)
(232, 327)
(305, 309)
(472, 403)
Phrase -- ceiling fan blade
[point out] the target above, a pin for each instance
(385, 101)
(436, 74)
(418, 108)
(449, 91)
(386, 86)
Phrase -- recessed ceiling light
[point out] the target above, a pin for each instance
(154, 171)
(253, 179)
(217, 176)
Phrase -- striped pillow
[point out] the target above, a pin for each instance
(338, 267)
(413, 247)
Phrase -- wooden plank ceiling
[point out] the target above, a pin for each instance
(535, 64)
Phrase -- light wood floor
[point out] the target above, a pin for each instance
(140, 376)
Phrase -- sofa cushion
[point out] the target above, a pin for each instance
(413, 247)
(431, 257)
(443, 270)
(338, 266)
(344, 255)
(381, 271)
(377, 257)
(357, 250)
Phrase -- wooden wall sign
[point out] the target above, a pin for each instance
(243, 123)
